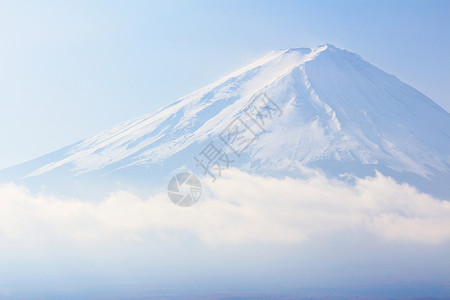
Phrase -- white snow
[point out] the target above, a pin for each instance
(335, 106)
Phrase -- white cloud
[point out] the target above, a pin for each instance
(238, 208)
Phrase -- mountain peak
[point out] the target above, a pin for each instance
(328, 45)
(316, 50)
(335, 112)
(285, 60)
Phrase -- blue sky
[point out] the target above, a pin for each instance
(71, 69)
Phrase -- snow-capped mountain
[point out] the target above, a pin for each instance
(323, 107)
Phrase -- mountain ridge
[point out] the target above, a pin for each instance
(336, 107)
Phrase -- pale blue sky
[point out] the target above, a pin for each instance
(69, 69)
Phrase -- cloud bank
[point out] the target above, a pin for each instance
(238, 208)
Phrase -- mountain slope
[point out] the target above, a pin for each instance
(322, 107)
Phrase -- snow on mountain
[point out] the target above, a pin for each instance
(325, 107)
